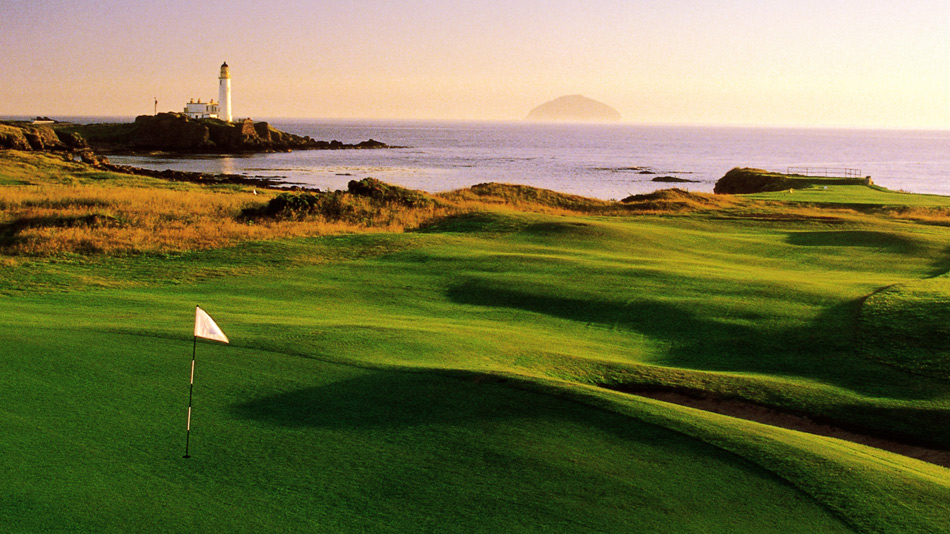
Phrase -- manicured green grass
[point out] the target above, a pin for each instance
(908, 325)
(853, 195)
(456, 379)
(288, 443)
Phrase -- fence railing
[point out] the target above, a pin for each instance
(843, 172)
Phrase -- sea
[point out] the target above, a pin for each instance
(606, 161)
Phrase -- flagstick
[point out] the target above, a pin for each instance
(191, 389)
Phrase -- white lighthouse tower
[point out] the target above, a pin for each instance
(224, 93)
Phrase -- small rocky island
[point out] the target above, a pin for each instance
(166, 132)
(176, 133)
(574, 108)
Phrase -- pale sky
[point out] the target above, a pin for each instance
(868, 63)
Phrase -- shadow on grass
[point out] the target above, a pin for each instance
(906, 326)
(823, 351)
(885, 241)
(855, 238)
(387, 399)
(381, 399)
(377, 399)
(10, 232)
(477, 222)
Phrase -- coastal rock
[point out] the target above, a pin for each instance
(43, 138)
(174, 132)
(574, 108)
(72, 140)
(170, 131)
(371, 144)
(25, 136)
(13, 138)
(263, 131)
(740, 181)
(165, 132)
(672, 180)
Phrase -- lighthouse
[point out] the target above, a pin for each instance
(224, 93)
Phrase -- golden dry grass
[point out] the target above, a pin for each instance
(924, 215)
(51, 219)
(50, 207)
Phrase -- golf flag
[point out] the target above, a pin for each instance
(206, 328)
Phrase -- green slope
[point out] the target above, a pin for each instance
(448, 381)
(93, 442)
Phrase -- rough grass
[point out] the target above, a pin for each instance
(677, 201)
(46, 220)
(525, 197)
(51, 207)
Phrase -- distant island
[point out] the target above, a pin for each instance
(574, 108)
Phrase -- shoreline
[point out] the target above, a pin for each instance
(262, 182)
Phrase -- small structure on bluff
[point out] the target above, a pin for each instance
(214, 110)
(201, 110)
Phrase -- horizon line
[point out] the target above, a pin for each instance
(619, 123)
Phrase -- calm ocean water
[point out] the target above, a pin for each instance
(602, 161)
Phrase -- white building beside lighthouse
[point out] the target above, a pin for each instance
(201, 110)
(214, 110)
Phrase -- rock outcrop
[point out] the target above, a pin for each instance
(574, 108)
(165, 132)
(25, 136)
(740, 181)
(174, 132)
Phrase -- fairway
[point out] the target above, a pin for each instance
(468, 377)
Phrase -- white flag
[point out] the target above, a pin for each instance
(206, 328)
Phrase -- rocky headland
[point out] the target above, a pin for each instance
(176, 133)
(165, 132)
(171, 133)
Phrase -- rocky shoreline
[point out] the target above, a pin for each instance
(178, 134)
(262, 182)
(168, 133)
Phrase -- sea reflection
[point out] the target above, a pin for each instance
(226, 165)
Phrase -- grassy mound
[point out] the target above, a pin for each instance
(523, 196)
(673, 200)
(908, 326)
(388, 194)
(366, 202)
